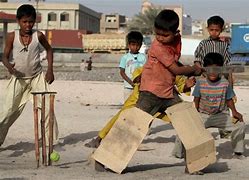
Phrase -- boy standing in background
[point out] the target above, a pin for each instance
(131, 61)
(213, 43)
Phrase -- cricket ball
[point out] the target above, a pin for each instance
(55, 156)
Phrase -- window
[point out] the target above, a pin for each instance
(51, 16)
(64, 17)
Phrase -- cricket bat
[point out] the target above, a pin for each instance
(225, 69)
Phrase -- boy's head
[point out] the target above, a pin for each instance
(215, 26)
(213, 60)
(26, 10)
(135, 40)
(166, 26)
(26, 16)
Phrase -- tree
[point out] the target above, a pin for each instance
(144, 22)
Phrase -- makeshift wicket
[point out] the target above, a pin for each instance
(45, 158)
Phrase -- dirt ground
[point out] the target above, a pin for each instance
(82, 109)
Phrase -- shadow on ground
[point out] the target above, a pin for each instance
(146, 167)
(219, 167)
(25, 147)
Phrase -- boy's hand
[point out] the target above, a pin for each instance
(190, 82)
(198, 70)
(237, 116)
(49, 77)
(11, 69)
(137, 79)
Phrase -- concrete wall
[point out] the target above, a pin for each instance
(76, 12)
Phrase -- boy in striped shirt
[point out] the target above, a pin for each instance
(213, 98)
(215, 25)
(214, 43)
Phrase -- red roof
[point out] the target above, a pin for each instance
(9, 18)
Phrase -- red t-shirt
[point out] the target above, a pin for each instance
(156, 78)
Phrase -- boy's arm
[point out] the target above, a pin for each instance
(227, 55)
(190, 82)
(235, 113)
(50, 74)
(125, 77)
(185, 70)
(197, 102)
(198, 55)
(184, 84)
(6, 53)
(197, 95)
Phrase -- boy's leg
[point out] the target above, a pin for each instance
(130, 102)
(15, 101)
(148, 102)
(225, 133)
(95, 142)
(39, 84)
(127, 93)
(103, 132)
(151, 104)
(224, 121)
(178, 150)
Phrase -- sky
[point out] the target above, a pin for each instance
(233, 11)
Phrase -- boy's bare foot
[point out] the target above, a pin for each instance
(94, 143)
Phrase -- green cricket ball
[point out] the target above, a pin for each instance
(54, 156)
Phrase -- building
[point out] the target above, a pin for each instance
(198, 28)
(112, 23)
(5, 18)
(66, 16)
(178, 9)
(186, 25)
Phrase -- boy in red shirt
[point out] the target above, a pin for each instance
(157, 90)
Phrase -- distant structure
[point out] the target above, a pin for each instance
(146, 5)
(198, 27)
(186, 25)
(112, 23)
(66, 16)
(178, 9)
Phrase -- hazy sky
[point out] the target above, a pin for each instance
(230, 10)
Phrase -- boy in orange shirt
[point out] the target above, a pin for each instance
(157, 90)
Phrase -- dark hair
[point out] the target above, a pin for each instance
(26, 10)
(135, 37)
(217, 20)
(213, 58)
(167, 20)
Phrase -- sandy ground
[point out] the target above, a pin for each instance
(82, 108)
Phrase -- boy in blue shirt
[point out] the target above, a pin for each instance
(131, 61)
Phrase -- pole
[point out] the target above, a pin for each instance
(37, 1)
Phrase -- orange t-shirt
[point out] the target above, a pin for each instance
(156, 78)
